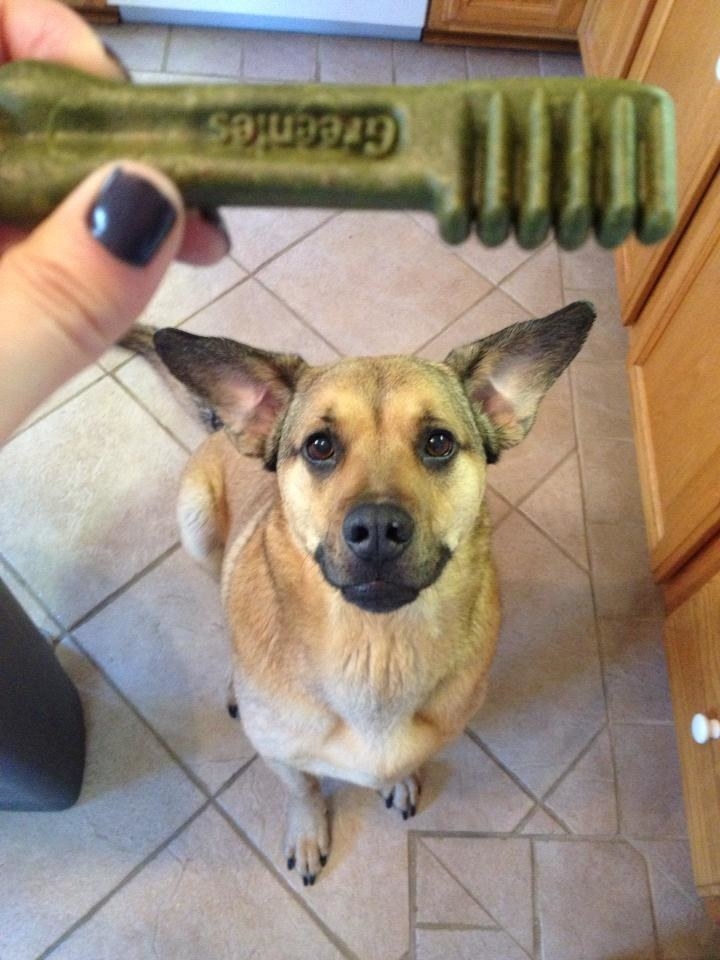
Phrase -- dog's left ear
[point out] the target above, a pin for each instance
(507, 374)
(249, 388)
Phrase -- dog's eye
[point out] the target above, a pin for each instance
(319, 447)
(440, 445)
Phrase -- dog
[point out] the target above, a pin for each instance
(358, 584)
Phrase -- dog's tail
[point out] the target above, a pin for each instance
(140, 340)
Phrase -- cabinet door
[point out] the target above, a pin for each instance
(679, 52)
(522, 18)
(674, 365)
(610, 33)
(692, 640)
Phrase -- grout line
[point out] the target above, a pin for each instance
(43, 416)
(460, 316)
(412, 892)
(150, 413)
(535, 898)
(62, 629)
(332, 214)
(452, 927)
(111, 597)
(298, 316)
(192, 777)
(166, 50)
(651, 901)
(89, 914)
(281, 879)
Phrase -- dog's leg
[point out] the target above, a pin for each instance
(202, 520)
(307, 838)
(403, 796)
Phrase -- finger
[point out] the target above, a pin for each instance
(47, 30)
(206, 238)
(78, 281)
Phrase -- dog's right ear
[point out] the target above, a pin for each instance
(250, 389)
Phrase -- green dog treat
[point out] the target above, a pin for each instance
(526, 155)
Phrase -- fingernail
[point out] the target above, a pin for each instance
(131, 218)
(212, 216)
(110, 53)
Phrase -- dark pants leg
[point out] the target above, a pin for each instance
(42, 735)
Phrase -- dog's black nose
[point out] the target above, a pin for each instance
(378, 531)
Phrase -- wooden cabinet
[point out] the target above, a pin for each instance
(670, 295)
(692, 640)
(674, 367)
(679, 51)
(610, 34)
(97, 11)
(544, 23)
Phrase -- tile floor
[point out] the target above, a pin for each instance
(554, 829)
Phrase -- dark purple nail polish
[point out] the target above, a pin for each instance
(131, 218)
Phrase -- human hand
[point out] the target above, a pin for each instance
(76, 283)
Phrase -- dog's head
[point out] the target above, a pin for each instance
(381, 462)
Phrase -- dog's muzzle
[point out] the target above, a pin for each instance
(376, 574)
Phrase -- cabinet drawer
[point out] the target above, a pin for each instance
(610, 33)
(679, 52)
(674, 366)
(522, 18)
(692, 641)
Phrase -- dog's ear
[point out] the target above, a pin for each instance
(507, 374)
(250, 389)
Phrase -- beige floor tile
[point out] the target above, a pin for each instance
(99, 510)
(440, 898)
(499, 508)
(205, 896)
(585, 799)
(589, 266)
(428, 64)
(684, 928)
(545, 700)
(502, 63)
(32, 606)
(253, 315)
(355, 60)
(561, 64)
(492, 313)
(621, 570)
(593, 901)
(541, 823)
(466, 945)
(601, 401)
(374, 283)
(200, 51)
(139, 46)
(536, 283)
(649, 786)
(260, 233)
(610, 479)
(462, 790)
(608, 338)
(497, 872)
(68, 390)
(549, 442)
(635, 670)
(184, 291)
(56, 866)
(165, 644)
(557, 506)
(280, 56)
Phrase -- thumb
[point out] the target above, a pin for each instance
(79, 280)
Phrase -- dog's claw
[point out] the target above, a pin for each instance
(309, 880)
(291, 863)
(233, 710)
(389, 800)
(323, 859)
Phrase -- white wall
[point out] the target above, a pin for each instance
(397, 19)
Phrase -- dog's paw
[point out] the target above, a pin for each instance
(403, 796)
(307, 842)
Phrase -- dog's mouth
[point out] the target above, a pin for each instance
(379, 596)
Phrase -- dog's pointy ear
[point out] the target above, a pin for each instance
(250, 389)
(507, 374)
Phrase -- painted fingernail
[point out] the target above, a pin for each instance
(110, 53)
(131, 218)
(212, 216)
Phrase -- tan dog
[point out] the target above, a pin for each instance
(358, 586)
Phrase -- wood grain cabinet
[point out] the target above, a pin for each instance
(543, 23)
(97, 11)
(670, 297)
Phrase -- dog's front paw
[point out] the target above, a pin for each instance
(307, 842)
(403, 796)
